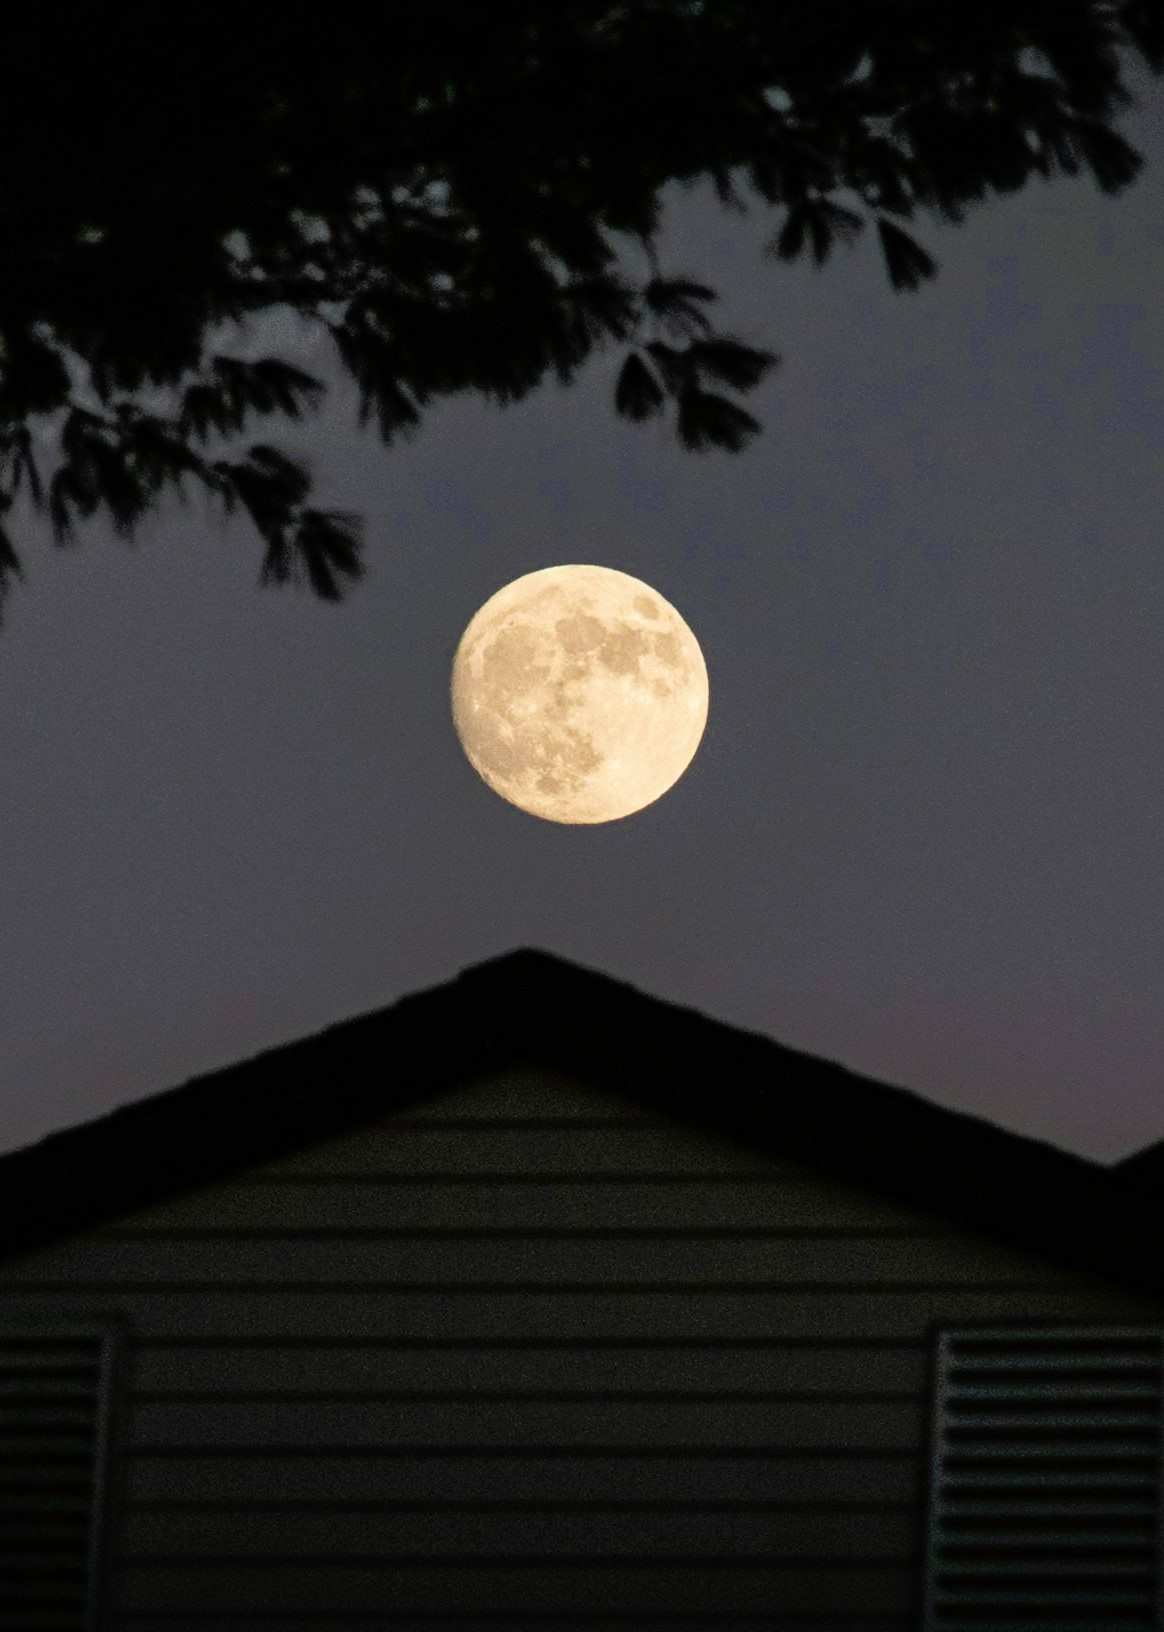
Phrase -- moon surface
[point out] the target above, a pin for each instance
(579, 694)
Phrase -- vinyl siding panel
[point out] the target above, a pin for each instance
(835, 1478)
(558, 1145)
(710, 1585)
(530, 1529)
(528, 1356)
(498, 1426)
(387, 1313)
(726, 1261)
(172, 1369)
(529, 1202)
(604, 1620)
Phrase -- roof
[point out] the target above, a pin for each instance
(1143, 1170)
(531, 1008)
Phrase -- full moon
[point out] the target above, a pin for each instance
(579, 694)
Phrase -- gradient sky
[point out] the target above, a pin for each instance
(922, 834)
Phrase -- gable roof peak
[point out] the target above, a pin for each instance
(529, 1007)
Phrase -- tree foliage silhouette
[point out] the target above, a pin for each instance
(434, 186)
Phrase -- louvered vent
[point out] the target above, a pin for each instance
(54, 1425)
(1045, 1508)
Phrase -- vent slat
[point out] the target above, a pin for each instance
(1050, 1512)
(1047, 1569)
(1050, 1357)
(957, 1537)
(1124, 1455)
(1045, 1499)
(1081, 1478)
(968, 1420)
(1055, 1388)
(1053, 1374)
(1102, 1598)
(54, 1414)
(1056, 1618)
(1075, 1341)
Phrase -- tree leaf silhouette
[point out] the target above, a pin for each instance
(732, 362)
(35, 379)
(269, 486)
(1143, 20)
(638, 394)
(371, 365)
(823, 221)
(1111, 160)
(104, 471)
(325, 548)
(68, 488)
(674, 366)
(707, 420)
(790, 240)
(672, 300)
(285, 480)
(600, 308)
(907, 262)
(442, 203)
(159, 453)
(16, 451)
(10, 566)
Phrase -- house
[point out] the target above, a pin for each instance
(1144, 1170)
(535, 1301)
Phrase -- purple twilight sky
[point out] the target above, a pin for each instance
(922, 835)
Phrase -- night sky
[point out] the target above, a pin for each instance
(922, 834)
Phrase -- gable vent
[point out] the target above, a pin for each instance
(54, 1418)
(1044, 1511)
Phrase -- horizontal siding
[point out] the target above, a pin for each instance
(521, 1620)
(525, 1351)
(948, 1259)
(525, 1200)
(552, 1145)
(387, 1311)
(863, 1534)
(444, 1426)
(377, 1476)
(518, 1620)
(707, 1583)
(169, 1369)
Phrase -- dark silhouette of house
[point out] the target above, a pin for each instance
(533, 1300)
(1143, 1170)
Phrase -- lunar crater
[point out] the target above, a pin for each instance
(580, 633)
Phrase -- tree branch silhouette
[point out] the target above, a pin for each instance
(435, 188)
